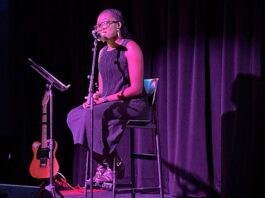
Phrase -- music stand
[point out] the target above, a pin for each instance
(51, 82)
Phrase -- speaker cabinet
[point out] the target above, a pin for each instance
(21, 191)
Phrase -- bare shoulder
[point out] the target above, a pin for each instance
(133, 46)
(101, 50)
(100, 53)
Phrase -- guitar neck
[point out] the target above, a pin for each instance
(44, 127)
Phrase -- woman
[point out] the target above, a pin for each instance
(120, 96)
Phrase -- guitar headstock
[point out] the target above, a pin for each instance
(46, 98)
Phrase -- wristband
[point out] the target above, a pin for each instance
(105, 99)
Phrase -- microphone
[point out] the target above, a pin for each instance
(97, 36)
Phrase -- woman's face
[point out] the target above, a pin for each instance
(107, 26)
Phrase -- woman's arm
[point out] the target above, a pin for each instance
(135, 61)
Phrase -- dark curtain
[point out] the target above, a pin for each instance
(210, 91)
(4, 16)
(209, 58)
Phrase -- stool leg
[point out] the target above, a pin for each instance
(132, 163)
(159, 166)
(114, 178)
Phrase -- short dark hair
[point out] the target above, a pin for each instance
(117, 14)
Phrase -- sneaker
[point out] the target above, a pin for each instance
(120, 169)
(106, 177)
(100, 170)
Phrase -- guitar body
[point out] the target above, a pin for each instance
(40, 164)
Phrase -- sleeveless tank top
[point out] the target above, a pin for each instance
(113, 68)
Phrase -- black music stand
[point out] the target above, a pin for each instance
(51, 82)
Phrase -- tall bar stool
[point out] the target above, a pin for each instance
(150, 86)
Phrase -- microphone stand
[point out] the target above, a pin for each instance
(91, 102)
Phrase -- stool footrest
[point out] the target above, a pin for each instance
(135, 190)
(142, 126)
(146, 156)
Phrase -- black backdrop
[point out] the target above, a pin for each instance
(208, 55)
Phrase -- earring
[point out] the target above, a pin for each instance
(118, 32)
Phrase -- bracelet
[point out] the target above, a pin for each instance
(105, 99)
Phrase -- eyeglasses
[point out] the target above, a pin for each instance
(104, 24)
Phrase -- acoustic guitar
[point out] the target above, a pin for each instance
(40, 164)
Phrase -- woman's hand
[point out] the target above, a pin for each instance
(96, 95)
(96, 100)
(100, 100)
(86, 104)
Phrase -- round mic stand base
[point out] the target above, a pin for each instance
(54, 192)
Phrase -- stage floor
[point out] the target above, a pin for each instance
(24, 191)
(97, 193)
